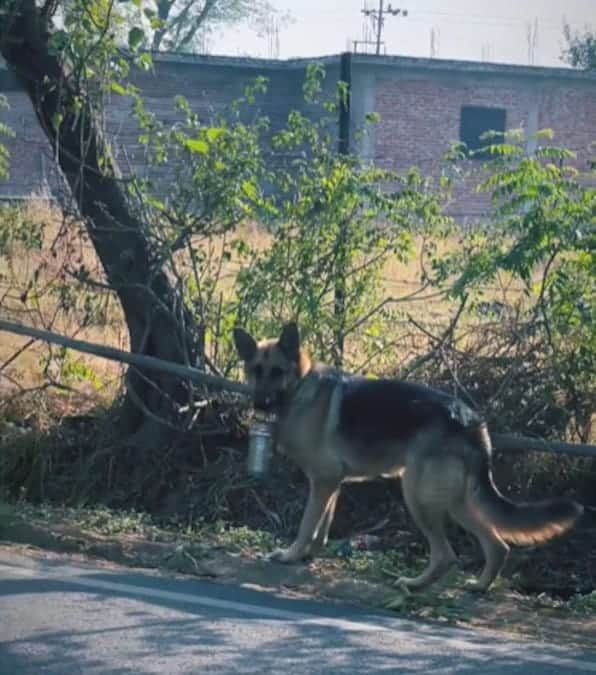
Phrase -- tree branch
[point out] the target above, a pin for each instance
(130, 358)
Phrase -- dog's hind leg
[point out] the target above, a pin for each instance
(312, 520)
(494, 548)
(427, 503)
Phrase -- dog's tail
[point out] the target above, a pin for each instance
(523, 523)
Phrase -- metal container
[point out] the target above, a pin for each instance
(260, 448)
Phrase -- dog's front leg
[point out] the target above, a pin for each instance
(320, 541)
(318, 499)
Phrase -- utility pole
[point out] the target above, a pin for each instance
(340, 283)
(532, 38)
(378, 16)
(434, 42)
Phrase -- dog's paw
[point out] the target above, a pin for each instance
(284, 555)
(404, 584)
(473, 586)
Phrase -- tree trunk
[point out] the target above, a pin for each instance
(158, 324)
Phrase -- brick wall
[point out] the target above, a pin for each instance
(210, 86)
(420, 116)
(209, 91)
(419, 101)
(31, 164)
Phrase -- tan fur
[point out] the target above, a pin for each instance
(436, 484)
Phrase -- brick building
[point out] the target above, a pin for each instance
(424, 104)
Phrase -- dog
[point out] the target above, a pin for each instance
(338, 428)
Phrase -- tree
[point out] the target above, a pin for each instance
(340, 220)
(62, 72)
(180, 24)
(581, 48)
(68, 56)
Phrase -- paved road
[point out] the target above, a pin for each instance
(61, 619)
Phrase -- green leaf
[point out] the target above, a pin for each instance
(197, 145)
(396, 602)
(57, 119)
(144, 61)
(373, 117)
(135, 38)
(213, 133)
(118, 88)
(250, 190)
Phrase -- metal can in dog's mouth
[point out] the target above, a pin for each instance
(260, 447)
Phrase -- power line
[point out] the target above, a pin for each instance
(504, 20)
(477, 20)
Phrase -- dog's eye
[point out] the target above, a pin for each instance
(257, 371)
(276, 371)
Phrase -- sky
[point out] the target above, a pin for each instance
(472, 30)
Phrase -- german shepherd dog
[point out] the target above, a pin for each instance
(340, 428)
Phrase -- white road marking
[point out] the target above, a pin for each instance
(530, 652)
(60, 574)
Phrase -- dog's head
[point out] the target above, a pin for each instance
(272, 367)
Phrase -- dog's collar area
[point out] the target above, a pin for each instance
(306, 388)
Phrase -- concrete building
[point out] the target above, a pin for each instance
(424, 104)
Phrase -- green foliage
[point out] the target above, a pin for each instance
(19, 230)
(185, 25)
(338, 221)
(74, 370)
(215, 169)
(98, 42)
(334, 222)
(337, 229)
(580, 51)
(542, 234)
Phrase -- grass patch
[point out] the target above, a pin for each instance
(101, 520)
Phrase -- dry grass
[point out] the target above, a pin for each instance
(63, 242)
(29, 283)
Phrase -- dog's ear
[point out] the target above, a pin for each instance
(245, 344)
(289, 341)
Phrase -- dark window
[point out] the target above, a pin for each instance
(476, 121)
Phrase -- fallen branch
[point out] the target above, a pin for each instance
(509, 442)
(130, 358)
(506, 442)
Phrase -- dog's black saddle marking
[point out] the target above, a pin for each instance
(384, 410)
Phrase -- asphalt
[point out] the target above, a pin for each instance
(61, 618)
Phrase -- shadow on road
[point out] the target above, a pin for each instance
(79, 629)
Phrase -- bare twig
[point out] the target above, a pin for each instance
(16, 354)
(439, 341)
